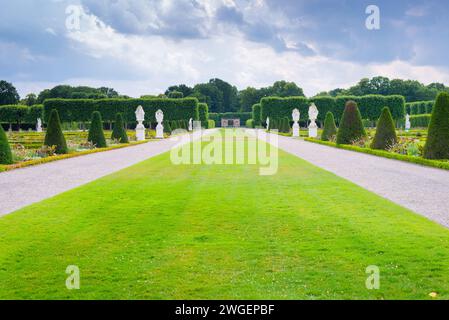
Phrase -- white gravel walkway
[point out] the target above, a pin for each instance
(29, 185)
(423, 190)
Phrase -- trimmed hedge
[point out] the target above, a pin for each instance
(385, 135)
(257, 115)
(243, 116)
(203, 111)
(210, 124)
(54, 135)
(381, 153)
(419, 107)
(351, 126)
(420, 121)
(119, 132)
(330, 129)
(249, 123)
(370, 106)
(5, 149)
(20, 114)
(80, 110)
(437, 144)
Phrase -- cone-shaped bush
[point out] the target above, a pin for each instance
(330, 129)
(54, 135)
(119, 132)
(96, 134)
(385, 132)
(5, 149)
(351, 125)
(437, 145)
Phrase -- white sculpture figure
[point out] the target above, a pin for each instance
(408, 124)
(39, 125)
(268, 123)
(140, 129)
(160, 127)
(190, 124)
(313, 115)
(296, 115)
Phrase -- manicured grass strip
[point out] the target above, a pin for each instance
(30, 163)
(416, 160)
(159, 231)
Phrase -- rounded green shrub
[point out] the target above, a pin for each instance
(96, 134)
(119, 132)
(351, 125)
(5, 149)
(385, 135)
(330, 129)
(54, 136)
(437, 145)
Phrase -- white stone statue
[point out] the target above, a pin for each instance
(39, 125)
(296, 116)
(190, 124)
(268, 123)
(313, 115)
(160, 127)
(140, 129)
(408, 124)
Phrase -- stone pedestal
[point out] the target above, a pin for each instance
(296, 130)
(140, 132)
(160, 131)
(313, 131)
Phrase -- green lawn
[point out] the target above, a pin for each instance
(158, 231)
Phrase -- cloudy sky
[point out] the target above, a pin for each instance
(143, 46)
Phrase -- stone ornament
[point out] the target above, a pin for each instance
(39, 125)
(268, 123)
(408, 124)
(296, 116)
(160, 127)
(313, 115)
(190, 124)
(140, 129)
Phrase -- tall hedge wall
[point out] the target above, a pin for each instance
(80, 110)
(257, 114)
(370, 106)
(420, 121)
(20, 114)
(419, 107)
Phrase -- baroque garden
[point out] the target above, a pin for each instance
(289, 205)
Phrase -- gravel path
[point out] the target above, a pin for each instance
(29, 185)
(423, 190)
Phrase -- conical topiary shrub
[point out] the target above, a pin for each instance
(5, 149)
(54, 136)
(385, 132)
(437, 145)
(351, 125)
(96, 134)
(119, 132)
(330, 129)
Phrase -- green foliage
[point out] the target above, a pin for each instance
(13, 113)
(203, 111)
(420, 121)
(284, 125)
(437, 145)
(96, 133)
(257, 114)
(278, 108)
(8, 93)
(5, 149)
(119, 132)
(249, 123)
(351, 126)
(82, 92)
(330, 129)
(81, 110)
(167, 127)
(210, 124)
(385, 135)
(54, 135)
(175, 95)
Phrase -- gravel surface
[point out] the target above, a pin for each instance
(423, 190)
(26, 186)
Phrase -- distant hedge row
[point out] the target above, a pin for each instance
(80, 110)
(420, 107)
(370, 106)
(243, 116)
(420, 121)
(20, 114)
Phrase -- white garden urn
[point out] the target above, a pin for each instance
(408, 124)
(296, 116)
(268, 123)
(140, 129)
(159, 127)
(313, 115)
(39, 125)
